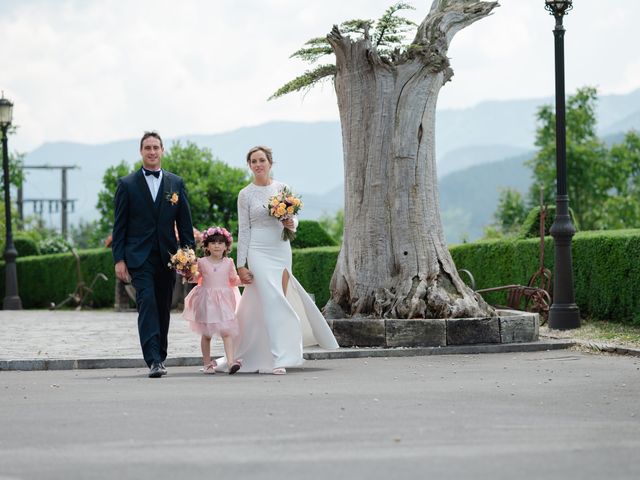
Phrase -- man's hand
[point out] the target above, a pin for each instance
(245, 275)
(122, 272)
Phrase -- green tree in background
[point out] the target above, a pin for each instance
(603, 183)
(588, 179)
(510, 213)
(333, 225)
(212, 187)
(622, 208)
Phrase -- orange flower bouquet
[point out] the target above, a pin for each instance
(185, 263)
(282, 206)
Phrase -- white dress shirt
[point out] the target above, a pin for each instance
(153, 183)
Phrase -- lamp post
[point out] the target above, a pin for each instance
(11, 300)
(564, 313)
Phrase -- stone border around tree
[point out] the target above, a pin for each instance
(510, 326)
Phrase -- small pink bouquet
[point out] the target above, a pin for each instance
(185, 263)
(285, 205)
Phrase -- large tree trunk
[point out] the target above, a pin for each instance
(394, 260)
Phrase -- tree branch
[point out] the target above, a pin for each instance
(306, 80)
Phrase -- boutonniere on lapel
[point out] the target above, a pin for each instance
(173, 198)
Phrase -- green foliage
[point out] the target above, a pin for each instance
(16, 172)
(511, 211)
(105, 204)
(211, 184)
(387, 36)
(622, 209)
(313, 267)
(605, 280)
(51, 278)
(603, 184)
(588, 182)
(334, 226)
(306, 81)
(25, 244)
(54, 244)
(87, 234)
(311, 234)
(391, 29)
(531, 225)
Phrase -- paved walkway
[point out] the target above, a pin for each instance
(69, 339)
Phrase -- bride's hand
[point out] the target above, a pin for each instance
(245, 275)
(288, 223)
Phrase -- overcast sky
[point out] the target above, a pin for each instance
(95, 71)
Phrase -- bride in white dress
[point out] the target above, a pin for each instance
(276, 316)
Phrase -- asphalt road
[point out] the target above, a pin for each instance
(558, 414)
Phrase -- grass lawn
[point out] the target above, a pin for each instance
(600, 331)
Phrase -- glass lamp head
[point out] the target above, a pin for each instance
(6, 112)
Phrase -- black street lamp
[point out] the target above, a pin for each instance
(11, 299)
(564, 313)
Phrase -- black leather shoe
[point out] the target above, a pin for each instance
(163, 369)
(154, 371)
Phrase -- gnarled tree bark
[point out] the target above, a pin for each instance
(394, 260)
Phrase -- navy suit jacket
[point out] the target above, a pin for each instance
(139, 222)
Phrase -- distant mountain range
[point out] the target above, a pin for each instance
(479, 150)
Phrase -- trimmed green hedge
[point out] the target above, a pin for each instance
(313, 267)
(25, 244)
(606, 271)
(606, 266)
(51, 278)
(311, 234)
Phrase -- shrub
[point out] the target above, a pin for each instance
(531, 225)
(311, 234)
(605, 266)
(54, 244)
(25, 244)
(606, 271)
(313, 267)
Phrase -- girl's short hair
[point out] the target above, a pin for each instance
(216, 234)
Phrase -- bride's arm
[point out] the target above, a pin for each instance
(244, 236)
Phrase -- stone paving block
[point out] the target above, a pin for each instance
(469, 331)
(519, 328)
(417, 332)
(361, 332)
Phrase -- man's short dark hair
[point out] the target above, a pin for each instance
(150, 134)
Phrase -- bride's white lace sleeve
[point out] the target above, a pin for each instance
(244, 228)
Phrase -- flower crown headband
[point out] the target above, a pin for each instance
(218, 231)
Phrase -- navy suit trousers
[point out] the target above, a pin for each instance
(154, 284)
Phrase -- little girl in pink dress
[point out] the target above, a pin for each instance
(210, 308)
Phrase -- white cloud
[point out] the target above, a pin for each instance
(101, 70)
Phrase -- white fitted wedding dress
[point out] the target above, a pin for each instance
(273, 327)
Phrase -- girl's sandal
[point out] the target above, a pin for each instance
(210, 368)
(279, 371)
(235, 366)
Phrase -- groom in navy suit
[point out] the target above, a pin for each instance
(150, 205)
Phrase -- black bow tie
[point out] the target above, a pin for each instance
(155, 173)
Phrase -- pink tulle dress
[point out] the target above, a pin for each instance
(210, 308)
